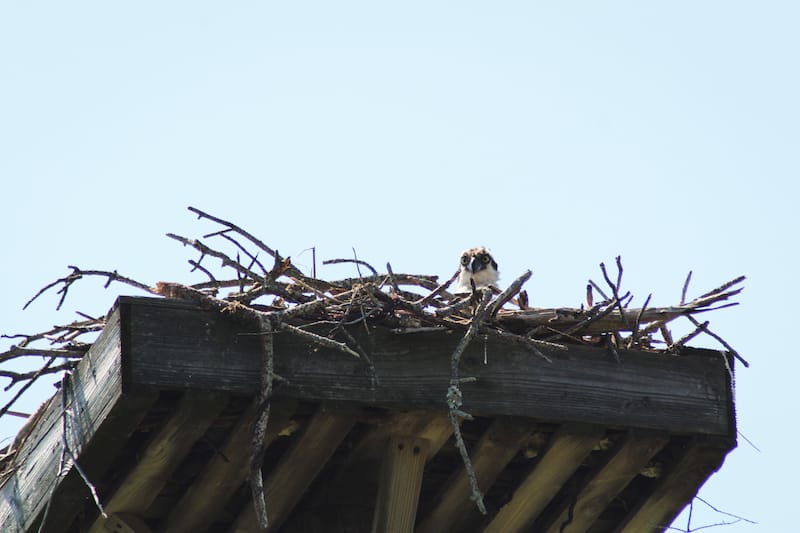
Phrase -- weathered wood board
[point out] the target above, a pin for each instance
(167, 344)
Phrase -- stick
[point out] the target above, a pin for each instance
(77, 274)
(257, 447)
(356, 261)
(454, 396)
(720, 340)
(233, 227)
(685, 287)
(508, 294)
(441, 289)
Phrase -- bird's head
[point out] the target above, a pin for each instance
(478, 265)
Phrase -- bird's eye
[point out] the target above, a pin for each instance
(485, 259)
(464, 260)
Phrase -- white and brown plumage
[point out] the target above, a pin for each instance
(478, 265)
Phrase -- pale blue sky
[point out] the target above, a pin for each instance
(559, 134)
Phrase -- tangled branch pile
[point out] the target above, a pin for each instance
(255, 283)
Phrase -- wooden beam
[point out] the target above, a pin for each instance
(347, 496)
(101, 417)
(567, 449)
(302, 462)
(701, 458)
(606, 482)
(195, 412)
(401, 480)
(207, 351)
(225, 473)
(495, 449)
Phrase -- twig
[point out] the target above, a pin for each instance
(456, 307)
(233, 227)
(529, 343)
(635, 332)
(206, 250)
(454, 397)
(598, 289)
(356, 261)
(685, 287)
(25, 387)
(317, 339)
(689, 336)
(253, 257)
(18, 351)
(725, 286)
(507, 294)
(593, 315)
(258, 446)
(720, 340)
(16, 377)
(615, 288)
(77, 274)
(198, 266)
(438, 290)
(390, 277)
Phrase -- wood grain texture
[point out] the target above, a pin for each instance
(194, 413)
(401, 480)
(224, 473)
(102, 418)
(701, 458)
(608, 480)
(173, 345)
(567, 448)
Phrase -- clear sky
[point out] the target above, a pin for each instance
(558, 134)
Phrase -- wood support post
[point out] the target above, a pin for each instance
(401, 480)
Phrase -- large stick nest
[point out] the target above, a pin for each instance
(253, 281)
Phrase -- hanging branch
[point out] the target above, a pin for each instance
(262, 403)
(454, 396)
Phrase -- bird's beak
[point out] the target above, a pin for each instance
(476, 265)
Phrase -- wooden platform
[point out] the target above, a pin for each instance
(159, 415)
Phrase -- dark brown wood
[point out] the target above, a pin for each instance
(702, 457)
(401, 480)
(347, 496)
(126, 523)
(288, 482)
(192, 417)
(564, 454)
(225, 473)
(582, 384)
(102, 418)
(497, 446)
(622, 464)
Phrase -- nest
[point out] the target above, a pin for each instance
(278, 296)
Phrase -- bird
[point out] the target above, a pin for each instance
(476, 265)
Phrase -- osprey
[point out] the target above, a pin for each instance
(476, 265)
